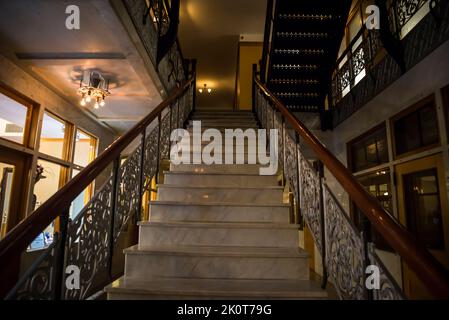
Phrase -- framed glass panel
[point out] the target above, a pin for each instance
(417, 128)
(81, 200)
(369, 150)
(54, 134)
(50, 178)
(85, 148)
(13, 119)
(422, 200)
(378, 184)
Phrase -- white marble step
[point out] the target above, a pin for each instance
(276, 235)
(219, 289)
(218, 179)
(216, 262)
(211, 123)
(217, 168)
(223, 129)
(169, 211)
(271, 195)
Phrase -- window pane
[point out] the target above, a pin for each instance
(52, 136)
(407, 133)
(416, 130)
(370, 151)
(429, 125)
(47, 182)
(79, 202)
(423, 206)
(50, 178)
(12, 119)
(355, 25)
(85, 148)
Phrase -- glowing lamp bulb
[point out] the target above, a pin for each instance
(209, 90)
(88, 99)
(83, 102)
(96, 106)
(102, 103)
(200, 90)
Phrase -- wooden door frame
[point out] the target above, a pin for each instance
(429, 162)
(22, 164)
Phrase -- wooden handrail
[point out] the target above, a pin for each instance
(433, 275)
(18, 239)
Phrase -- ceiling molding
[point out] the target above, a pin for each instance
(70, 56)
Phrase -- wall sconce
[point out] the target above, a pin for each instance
(205, 89)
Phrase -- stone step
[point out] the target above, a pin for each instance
(218, 179)
(211, 123)
(210, 262)
(275, 235)
(217, 168)
(223, 128)
(219, 289)
(170, 211)
(272, 195)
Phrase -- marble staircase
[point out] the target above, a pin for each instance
(217, 232)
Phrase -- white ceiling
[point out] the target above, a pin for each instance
(209, 30)
(33, 33)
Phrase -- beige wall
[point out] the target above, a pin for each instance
(249, 53)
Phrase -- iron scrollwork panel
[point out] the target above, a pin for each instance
(279, 126)
(151, 156)
(388, 289)
(39, 281)
(344, 251)
(406, 9)
(309, 186)
(127, 192)
(88, 238)
(165, 137)
(291, 165)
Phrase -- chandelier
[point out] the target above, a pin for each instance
(205, 89)
(93, 88)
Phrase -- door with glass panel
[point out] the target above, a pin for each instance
(12, 193)
(423, 209)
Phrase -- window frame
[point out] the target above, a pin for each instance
(28, 134)
(351, 143)
(430, 99)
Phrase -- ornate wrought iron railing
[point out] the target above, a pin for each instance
(91, 241)
(151, 20)
(360, 55)
(345, 251)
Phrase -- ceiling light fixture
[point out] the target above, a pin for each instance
(93, 87)
(205, 89)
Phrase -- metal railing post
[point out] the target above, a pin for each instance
(60, 258)
(158, 149)
(114, 195)
(142, 177)
(323, 227)
(299, 219)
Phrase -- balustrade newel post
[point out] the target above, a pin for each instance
(114, 196)
(60, 256)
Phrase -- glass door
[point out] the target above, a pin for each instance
(12, 195)
(423, 209)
